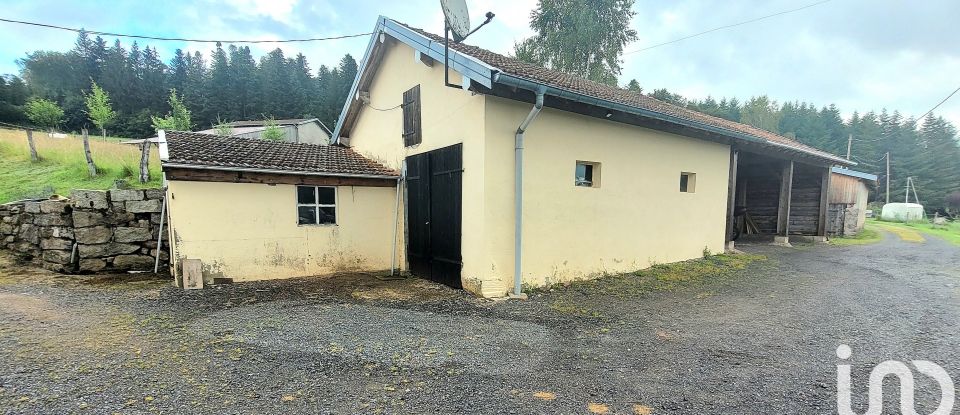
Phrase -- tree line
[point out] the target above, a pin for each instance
(231, 85)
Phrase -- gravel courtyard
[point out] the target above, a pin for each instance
(761, 339)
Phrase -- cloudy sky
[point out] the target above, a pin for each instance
(859, 54)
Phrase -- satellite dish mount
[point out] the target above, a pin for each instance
(456, 20)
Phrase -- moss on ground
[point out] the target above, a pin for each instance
(662, 277)
(869, 235)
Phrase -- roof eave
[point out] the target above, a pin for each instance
(276, 171)
(464, 64)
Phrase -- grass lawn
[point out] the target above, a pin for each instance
(62, 166)
(950, 232)
(870, 234)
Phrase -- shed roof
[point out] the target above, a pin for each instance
(208, 151)
(491, 68)
(854, 173)
(260, 123)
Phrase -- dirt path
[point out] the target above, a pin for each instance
(761, 340)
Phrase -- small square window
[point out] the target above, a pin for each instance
(587, 174)
(688, 182)
(316, 205)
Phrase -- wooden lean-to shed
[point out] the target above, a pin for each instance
(849, 192)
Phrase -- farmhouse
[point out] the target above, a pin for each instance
(515, 175)
(298, 130)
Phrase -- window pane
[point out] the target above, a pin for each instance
(305, 195)
(307, 215)
(327, 195)
(328, 215)
(584, 175)
(684, 182)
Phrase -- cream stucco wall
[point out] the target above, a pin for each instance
(636, 217)
(250, 231)
(448, 116)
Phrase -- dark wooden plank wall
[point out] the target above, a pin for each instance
(760, 184)
(805, 200)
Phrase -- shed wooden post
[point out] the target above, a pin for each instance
(824, 202)
(786, 191)
(732, 194)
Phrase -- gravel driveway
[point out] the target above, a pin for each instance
(761, 340)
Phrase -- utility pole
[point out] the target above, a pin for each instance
(906, 193)
(849, 144)
(888, 176)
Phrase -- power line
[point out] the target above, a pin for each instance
(383, 109)
(939, 104)
(178, 39)
(727, 27)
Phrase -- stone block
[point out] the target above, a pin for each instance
(12, 219)
(153, 193)
(155, 218)
(56, 244)
(7, 228)
(93, 235)
(56, 232)
(105, 250)
(9, 239)
(120, 218)
(128, 234)
(163, 255)
(53, 219)
(85, 218)
(131, 262)
(92, 265)
(143, 206)
(31, 207)
(90, 199)
(56, 257)
(30, 233)
(123, 195)
(54, 206)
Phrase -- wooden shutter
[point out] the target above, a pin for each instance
(411, 117)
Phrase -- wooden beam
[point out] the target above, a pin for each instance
(732, 191)
(824, 202)
(222, 176)
(786, 191)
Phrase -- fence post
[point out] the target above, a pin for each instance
(145, 161)
(86, 151)
(33, 148)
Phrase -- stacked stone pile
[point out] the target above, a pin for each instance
(92, 231)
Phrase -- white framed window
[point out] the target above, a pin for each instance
(316, 205)
(587, 174)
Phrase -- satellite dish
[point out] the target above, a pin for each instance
(458, 18)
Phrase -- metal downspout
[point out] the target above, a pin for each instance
(518, 193)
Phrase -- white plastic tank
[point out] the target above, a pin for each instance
(902, 212)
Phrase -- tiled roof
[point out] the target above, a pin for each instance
(211, 151)
(614, 94)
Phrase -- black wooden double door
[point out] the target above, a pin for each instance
(434, 194)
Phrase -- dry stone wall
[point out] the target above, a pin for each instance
(92, 231)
